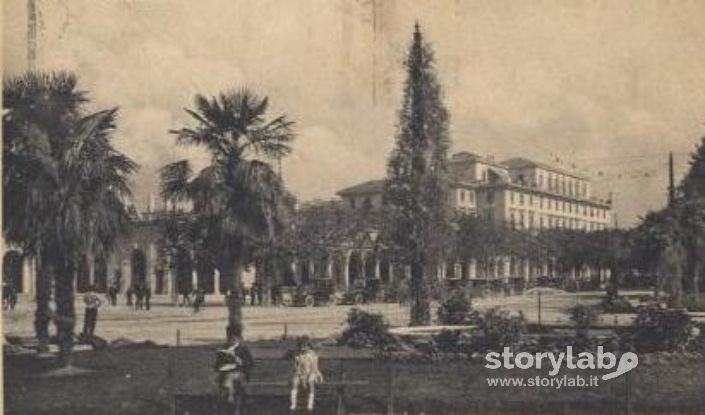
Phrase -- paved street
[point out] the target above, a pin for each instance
(160, 324)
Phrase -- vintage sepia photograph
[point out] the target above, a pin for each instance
(363, 207)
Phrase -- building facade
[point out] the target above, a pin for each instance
(338, 239)
(517, 192)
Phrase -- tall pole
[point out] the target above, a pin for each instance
(671, 181)
(31, 34)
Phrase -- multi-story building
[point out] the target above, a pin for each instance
(517, 192)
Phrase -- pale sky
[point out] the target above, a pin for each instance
(606, 87)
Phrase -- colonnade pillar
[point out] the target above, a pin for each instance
(29, 275)
(346, 269)
(216, 281)
(151, 267)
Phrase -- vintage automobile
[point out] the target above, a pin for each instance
(319, 292)
(362, 293)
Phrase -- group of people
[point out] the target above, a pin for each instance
(112, 293)
(195, 297)
(234, 364)
(142, 294)
(256, 294)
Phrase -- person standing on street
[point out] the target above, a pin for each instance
(253, 293)
(93, 303)
(147, 296)
(129, 293)
(260, 293)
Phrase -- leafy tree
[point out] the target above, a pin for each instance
(416, 194)
(65, 188)
(609, 249)
(237, 198)
(691, 211)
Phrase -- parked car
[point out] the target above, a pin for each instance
(320, 292)
(363, 293)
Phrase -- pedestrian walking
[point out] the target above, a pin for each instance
(260, 293)
(92, 303)
(147, 296)
(186, 296)
(139, 296)
(129, 293)
(199, 300)
(305, 373)
(253, 293)
(112, 294)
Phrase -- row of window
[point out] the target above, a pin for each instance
(521, 219)
(519, 198)
(561, 184)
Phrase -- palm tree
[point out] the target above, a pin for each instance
(237, 198)
(65, 187)
(91, 209)
(38, 109)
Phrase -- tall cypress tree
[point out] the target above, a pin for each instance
(417, 188)
(693, 184)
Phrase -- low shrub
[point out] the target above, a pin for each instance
(497, 329)
(457, 309)
(617, 305)
(453, 341)
(583, 317)
(658, 330)
(693, 303)
(367, 330)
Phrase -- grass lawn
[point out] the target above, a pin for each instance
(142, 381)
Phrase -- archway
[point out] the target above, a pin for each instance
(370, 267)
(183, 268)
(384, 273)
(339, 271)
(205, 270)
(320, 266)
(288, 275)
(160, 283)
(305, 272)
(82, 276)
(138, 262)
(12, 269)
(101, 275)
(355, 268)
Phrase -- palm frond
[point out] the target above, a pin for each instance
(175, 180)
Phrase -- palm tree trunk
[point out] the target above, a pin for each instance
(232, 272)
(420, 296)
(43, 297)
(65, 313)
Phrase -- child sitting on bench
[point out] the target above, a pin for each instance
(305, 373)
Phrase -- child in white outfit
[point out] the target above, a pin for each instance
(305, 373)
